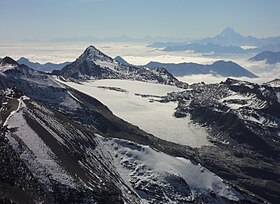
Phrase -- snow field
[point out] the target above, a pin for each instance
(153, 117)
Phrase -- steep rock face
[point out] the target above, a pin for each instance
(61, 145)
(243, 119)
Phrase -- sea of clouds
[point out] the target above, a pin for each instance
(137, 54)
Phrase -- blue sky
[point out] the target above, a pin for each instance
(47, 19)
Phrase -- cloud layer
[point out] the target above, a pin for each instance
(138, 54)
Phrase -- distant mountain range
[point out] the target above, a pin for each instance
(230, 37)
(228, 42)
(222, 68)
(268, 56)
(47, 67)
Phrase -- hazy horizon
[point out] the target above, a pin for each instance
(51, 20)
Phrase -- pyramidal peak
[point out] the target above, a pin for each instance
(92, 49)
(229, 32)
(93, 54)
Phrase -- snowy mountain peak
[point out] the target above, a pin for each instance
(229, 32)
(8, 62)
(93, 54)
(92, 49)
(94, 64)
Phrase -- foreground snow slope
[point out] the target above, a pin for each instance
(136, 102)
(176, 179)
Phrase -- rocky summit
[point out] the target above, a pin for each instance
(93, 64)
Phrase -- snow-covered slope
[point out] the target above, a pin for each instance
(138, 103)
(160, 178)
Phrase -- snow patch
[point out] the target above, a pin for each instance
(12, 113)
(106, 64)
(236, 101)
